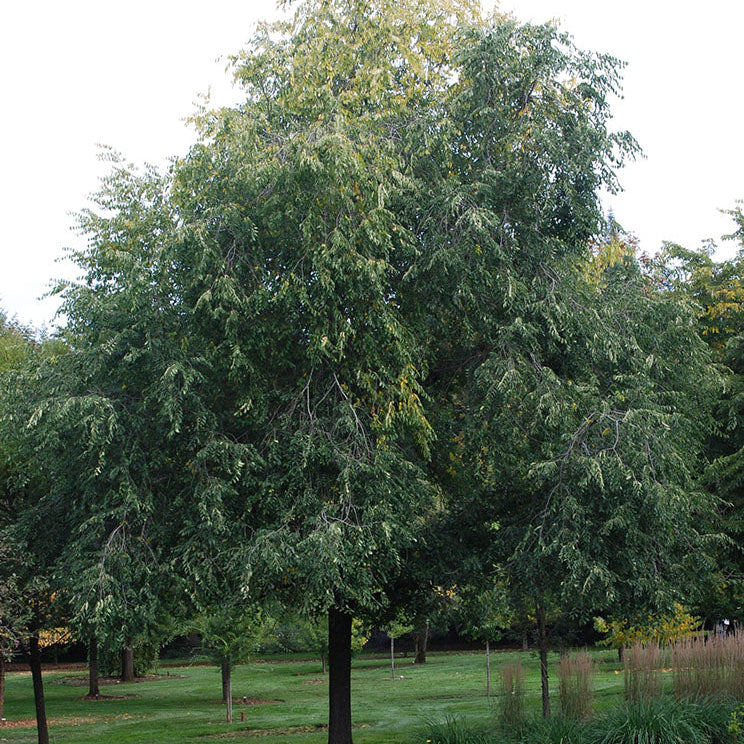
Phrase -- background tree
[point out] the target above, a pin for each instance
(232, 634)
(717, 287)
(33, 522)
(395, 629)
(484, 614)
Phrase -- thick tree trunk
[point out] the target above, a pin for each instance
(35, 664)
(227, 687)
(339, 678)
(2, 682)
(422, 641)
(93, 667)
(127, 664)
(488, 669)
(542, 642)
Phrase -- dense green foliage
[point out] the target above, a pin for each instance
(717, 288)
(370, 349)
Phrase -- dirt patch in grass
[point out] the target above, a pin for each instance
(26, 723)
(31, 722)
(96, 698)
(316, 681)
(85, 681)
(286, 731)
(22, 668)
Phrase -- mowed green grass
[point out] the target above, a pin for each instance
(287, 696)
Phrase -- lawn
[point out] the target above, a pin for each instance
(286, 700)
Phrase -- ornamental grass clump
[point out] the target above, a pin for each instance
(650, 720)
(456, 730)
(705, 667)
(575, 675)
(511, 699)
(643, 664)
(554, 730)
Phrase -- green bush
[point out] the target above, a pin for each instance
(735, 727)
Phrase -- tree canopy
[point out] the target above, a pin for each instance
(367, 320)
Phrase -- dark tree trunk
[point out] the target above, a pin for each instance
(339, 678)
(542, 642)
(35, 664)
(621, 654)
(226, 667)
(323, 661)
(93, 667)
(422, 641)
(127, 664)
(2, 682)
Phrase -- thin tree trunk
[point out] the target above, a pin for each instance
(35, 664)
(93, 667)
(542, 642)
(127, 664)
(227, 687)
(621, 653)
(422, 641)
(339, 678)
(488, 669)
(323, 661)
(392, 657)
(525, 641)
(2, 682)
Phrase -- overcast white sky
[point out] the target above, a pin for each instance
(81, 72)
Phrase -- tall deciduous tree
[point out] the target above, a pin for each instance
(381, 227)
(241, 321)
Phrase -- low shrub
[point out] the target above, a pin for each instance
(735, 728)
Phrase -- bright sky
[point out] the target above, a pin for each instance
(81, 72)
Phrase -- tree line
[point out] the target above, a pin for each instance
(370, 341)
